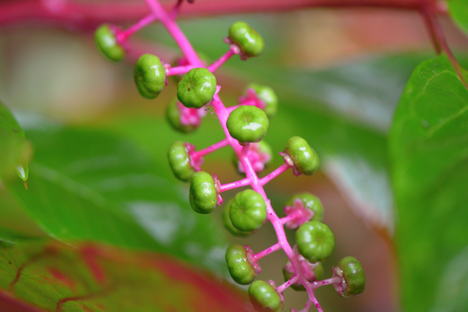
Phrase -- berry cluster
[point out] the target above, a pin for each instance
(244, 126)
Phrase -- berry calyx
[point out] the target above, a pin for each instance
(248, 124)
(311, 272)
(181, 118)
(228, 224)
(267, 96)
(150, 76)
(106, 42)
(247, 210)
(250, 42)
(302, 201)
(315, 240)
(203, 194)
(299, 154)
(196, 88)
(259, 155)
(353, 278)
(179, 161)
(239, 267)
(264, 297)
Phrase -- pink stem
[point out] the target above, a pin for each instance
(209, 149)
(272, 175)
(249, 102)
(281, 288)
(312, 299)
(123, 35)
(219, 62)
(325, 282)
(178, 70)
(266, 252)
(233, 185)
(288, 218)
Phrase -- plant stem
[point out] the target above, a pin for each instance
(234, 185)
(275, 173)
(266, 252)
(125, 34)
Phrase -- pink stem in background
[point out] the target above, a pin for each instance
(281, 288)
(178, 70)
(275, 173)
(219, 62)
(329, 281)
(234, 185)
(209, 149)
(266, 252)
(123, 35)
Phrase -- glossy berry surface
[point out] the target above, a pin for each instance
(228, 224)
(196, 88)
(179, 161)
(238, 265)
(264, 297)
(267, 96)
(174, 116)
(315, 240)
(310, 202)
(203, 195)
(149, 75)
(353, 276)
(248, 124)
(107, 43)
(303, 157)
(246, 38)
(247, 210)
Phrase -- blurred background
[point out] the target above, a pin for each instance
(338, 75)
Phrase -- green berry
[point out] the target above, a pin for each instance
(310, 202)
(353, 275)
(107, 43)
(150, 76)
(179, 160)
(315, 240)
(246, 38)
(238, 265)
(248, 124)
(264, 296)
(303, 157)
(268, 97)
(173, 115)
(203, 195)
(247, 210)
(228, 224)
(196, 88)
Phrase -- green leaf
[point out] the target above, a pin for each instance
(429, 153)
(57, 277)
(459, 11)
(15, 149)
(90, 185)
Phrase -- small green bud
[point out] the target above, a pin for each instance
(303, 157)
(310, 202)
(247, 210)
(268, 97)
(248, 124)
(203, 194)
(179, 160)
(354, 279)
(196, 88)
(315, 240)
(246, 38)
(107, 43)
(238, 265)
(174, 117)
(264, 297)
(150, 76)
(228, 224)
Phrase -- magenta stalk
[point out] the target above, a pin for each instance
(123, 35)
(209, 149)
(234, 185)
(266, 252)
(223, 59)
(275, 173)
(281, 288)
(325, 282)
(178, 70)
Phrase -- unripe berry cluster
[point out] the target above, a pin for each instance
(244, 126)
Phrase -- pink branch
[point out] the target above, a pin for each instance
(123, 35)
(233, 185)
(281, 288)
(329, 281)
(219, 62)
(179, 70)
(266, 252)
(275, 173)
(209, 149)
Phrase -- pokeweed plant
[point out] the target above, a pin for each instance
(244, 126)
